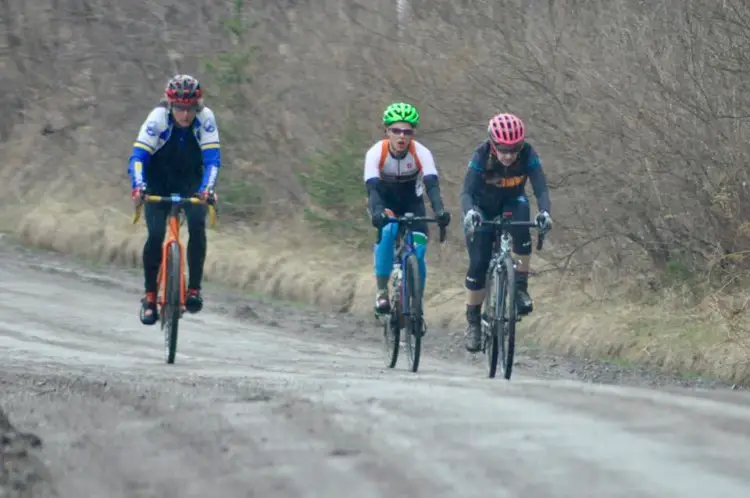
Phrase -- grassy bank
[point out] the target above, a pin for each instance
(301, 266)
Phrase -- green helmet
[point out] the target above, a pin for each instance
(400, 111)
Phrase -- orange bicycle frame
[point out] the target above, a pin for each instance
(172, 237)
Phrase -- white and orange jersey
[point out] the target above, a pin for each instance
(418, 163)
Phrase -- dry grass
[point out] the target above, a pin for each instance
(702, 342)
(637, 110)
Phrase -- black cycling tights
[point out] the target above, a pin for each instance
(156, 221)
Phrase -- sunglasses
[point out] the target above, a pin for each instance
(504, 149)
(184, 107)
(407, 132)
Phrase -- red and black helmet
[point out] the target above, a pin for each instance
(183, 89)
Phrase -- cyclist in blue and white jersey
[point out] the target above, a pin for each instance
(177, 152)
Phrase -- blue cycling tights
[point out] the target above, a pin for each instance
(383, 252)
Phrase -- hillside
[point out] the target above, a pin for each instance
(637, 109)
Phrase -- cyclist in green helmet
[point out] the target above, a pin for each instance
(398, 169)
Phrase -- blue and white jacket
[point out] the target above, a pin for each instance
(156, 130)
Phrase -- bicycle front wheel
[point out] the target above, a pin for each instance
(508, 317)
(492, 319)
(414, 321)
(171, 311)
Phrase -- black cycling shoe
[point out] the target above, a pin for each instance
(149, 313)
(524, 302)
(193, 301)
(473, 337)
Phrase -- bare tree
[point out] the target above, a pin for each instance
(638, 109)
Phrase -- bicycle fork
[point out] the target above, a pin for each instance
(161, 281)
(493, 313)
(400, 306)
(499, 276)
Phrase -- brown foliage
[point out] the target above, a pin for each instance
(637, 108)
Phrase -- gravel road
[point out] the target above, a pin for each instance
(269, 400)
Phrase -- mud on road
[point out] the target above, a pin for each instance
(270, 400)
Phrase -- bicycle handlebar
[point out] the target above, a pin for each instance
(409, 220)
(505, 222)
(177, 199)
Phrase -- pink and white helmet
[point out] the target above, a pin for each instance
(507, 132)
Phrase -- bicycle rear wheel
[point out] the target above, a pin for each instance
(491, 319)
(508, 317)
(170, 315)
(414, 321)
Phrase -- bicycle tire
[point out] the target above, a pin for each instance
(391, 337)
(509, 318)
(491, 324)
(171, 311)
(414, 321)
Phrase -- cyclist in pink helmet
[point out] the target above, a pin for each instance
(495, 182)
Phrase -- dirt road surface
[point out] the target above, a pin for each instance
(267, 407)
